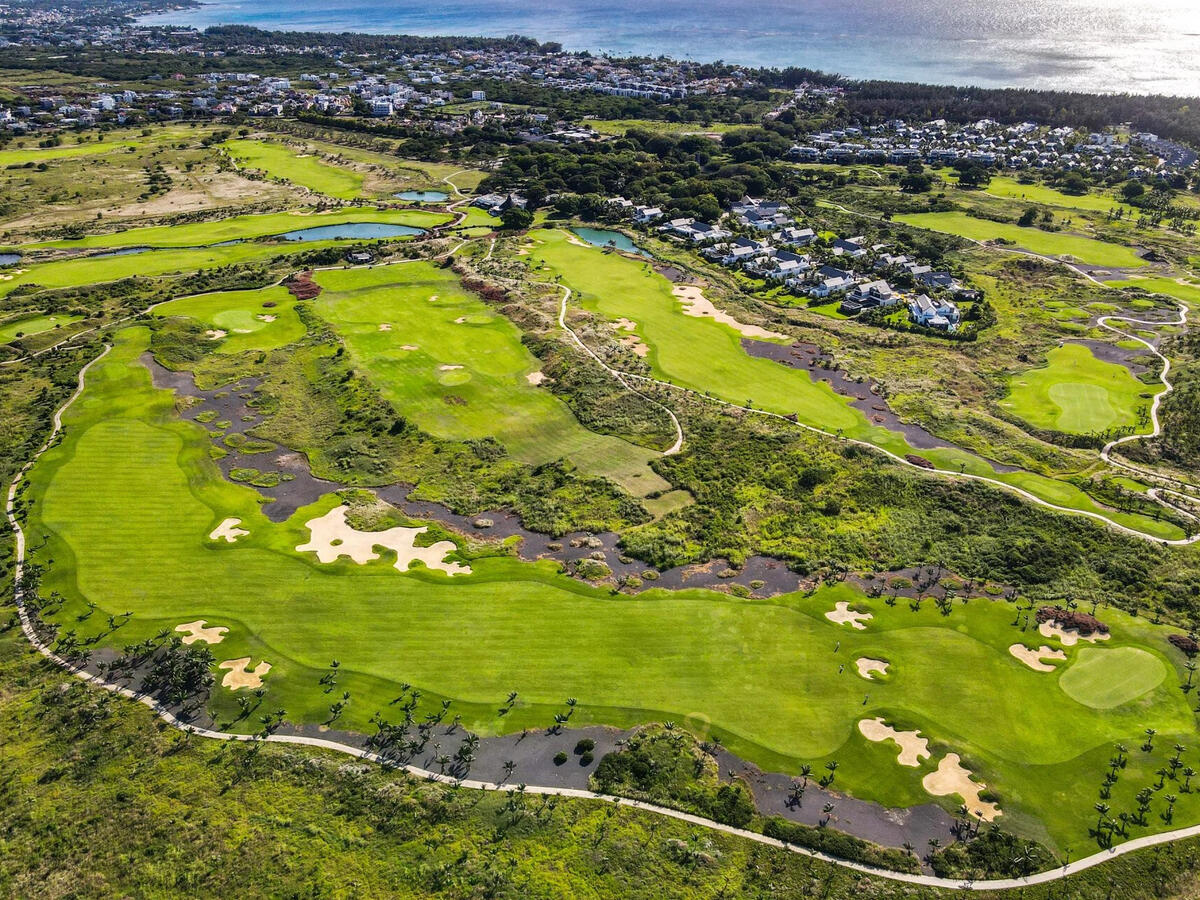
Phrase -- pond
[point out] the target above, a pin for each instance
(423, 196)
(603, 237)
(9, 259)
(352, 231)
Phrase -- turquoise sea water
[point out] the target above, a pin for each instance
(1140, 46)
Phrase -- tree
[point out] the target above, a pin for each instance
(1074, 183)
(516, 219)
(915, 183)
(1028, 217)
(1131, 190)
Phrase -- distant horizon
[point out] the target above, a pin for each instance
(1091, 46)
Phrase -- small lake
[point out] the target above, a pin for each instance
(423, 196)
(361, 231)
(9, 259)
(124, 251)
(603, 237)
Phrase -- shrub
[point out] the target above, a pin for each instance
(560, 757)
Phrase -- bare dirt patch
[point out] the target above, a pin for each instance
(842, 614)
(866, 666)
(238, 677)
(697, 305)
(228, 531)
(952, 778)
(913, 747)
(196, 631)
(1033, 658)
(331, 538)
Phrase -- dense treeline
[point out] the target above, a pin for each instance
(877, 101)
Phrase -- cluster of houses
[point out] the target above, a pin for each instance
(771, 246)
(986, 142)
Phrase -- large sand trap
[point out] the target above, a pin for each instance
(215, 334)
(228, 531)
(912, 746)
(696, 304)
(625, 324)
(1070, 636)
(333, 538)
(571, 239)
(535, 378)
(842, 614)
(385, 326)
(448, 368)
(195, 631)
(952, 778)
(1033, 658)
(866, 666)
(237, 677)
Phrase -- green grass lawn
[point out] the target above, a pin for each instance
(202, 234)
(467, 379)
(11, 331)
(122, 507)
(1188, 293)
(707, 356)
(117, 141)
(1077, 393)
(308, 171)
(254, 320)
(80, 271)
(1050, 243)
(620, 126)
(1012, 189)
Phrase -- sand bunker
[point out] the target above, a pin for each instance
(228, 531)
(696, 304)
(952, 778)
(625, 324)
(333, 538)
(385, 326)
(195, 631)
(433, 299)
(410, 347)
(237, 677)
(460, 320)
(842, 614)
(215, 334)
(535, 378)
(448, 368)
(571, 239)
(913, 747)
(866, 666)
(266, 317)
(1069, 636)
(1033, 658)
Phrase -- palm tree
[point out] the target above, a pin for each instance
(1102, 809)
(1169, 814)
(805, 772)
(934, 844)
(1188, 774)
(1149, 745)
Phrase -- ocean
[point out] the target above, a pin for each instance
(1136, 46)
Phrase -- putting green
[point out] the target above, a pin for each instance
(1103, 677)
(1050, 243)
(253, 320)
(467, 376)
(126, 502)
(1077, 393)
